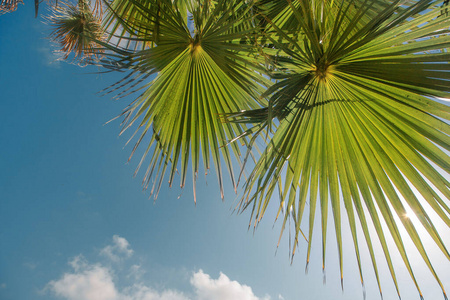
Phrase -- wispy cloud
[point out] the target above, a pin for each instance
(136, 272)
(50, 57)
(118, 250)
(95, 281)
(30, 265)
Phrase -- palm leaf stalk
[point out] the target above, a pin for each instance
(357, 122)
(198, 78)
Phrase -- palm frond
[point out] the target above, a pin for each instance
(357, 122)
(9, 5)
(76, 30)
(129, 23)
(198, 79)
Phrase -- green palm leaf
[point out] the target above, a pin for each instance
(198, 79)
(357, 122)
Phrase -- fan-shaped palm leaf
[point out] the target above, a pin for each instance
(198, 78)
(356, 122)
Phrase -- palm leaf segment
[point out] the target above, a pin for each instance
(126, 19)
(356, 123)
(9, 5)
(280, 13)
(199, 77)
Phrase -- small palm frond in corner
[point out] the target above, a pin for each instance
(9, 5)
(76, 30)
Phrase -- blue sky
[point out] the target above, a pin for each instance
(75, 224)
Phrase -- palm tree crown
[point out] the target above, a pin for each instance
(342, 92)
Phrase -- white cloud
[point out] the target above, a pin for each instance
(94, 281)
(136, 272)
(142, 292)
(220, 289)
(88, 282)
(120, 248)
(78, 262)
